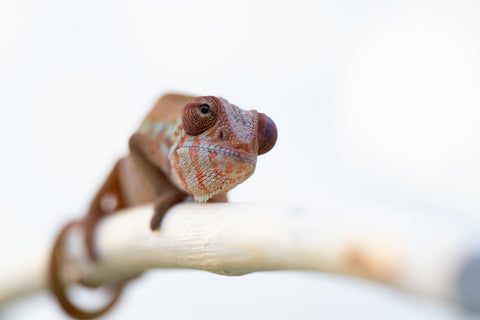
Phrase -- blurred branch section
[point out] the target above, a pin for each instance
(405, 250)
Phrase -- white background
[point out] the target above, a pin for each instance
(376, 103)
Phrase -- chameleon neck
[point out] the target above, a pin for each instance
(156, 140)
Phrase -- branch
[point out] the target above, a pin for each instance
(239, 238)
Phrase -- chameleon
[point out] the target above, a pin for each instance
(186, 147)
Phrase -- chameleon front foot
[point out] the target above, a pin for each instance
(165, 202)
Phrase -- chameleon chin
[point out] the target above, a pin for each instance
(198, 147)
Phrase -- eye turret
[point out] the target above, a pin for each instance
(267, 134)
(198, 117)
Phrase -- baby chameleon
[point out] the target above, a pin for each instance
(186, 146)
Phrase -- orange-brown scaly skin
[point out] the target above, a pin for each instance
(201, 146)
(218, 159)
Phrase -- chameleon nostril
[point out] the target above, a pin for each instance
(221, 135)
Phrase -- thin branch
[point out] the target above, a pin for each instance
(239, 238)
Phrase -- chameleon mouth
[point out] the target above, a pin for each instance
(205, 170)
(229, 152)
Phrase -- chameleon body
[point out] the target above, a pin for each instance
(186, 146)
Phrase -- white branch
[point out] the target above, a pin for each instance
(235, 239)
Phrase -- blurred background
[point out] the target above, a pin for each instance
(376, 104)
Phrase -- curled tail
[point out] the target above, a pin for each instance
(108, 199)
(59, 289)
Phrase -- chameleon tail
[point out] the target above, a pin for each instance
(59, 289)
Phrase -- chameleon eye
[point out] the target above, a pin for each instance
(204, 108)
(197, 118)
(267, 134)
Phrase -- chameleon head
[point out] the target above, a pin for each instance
(216, 146)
